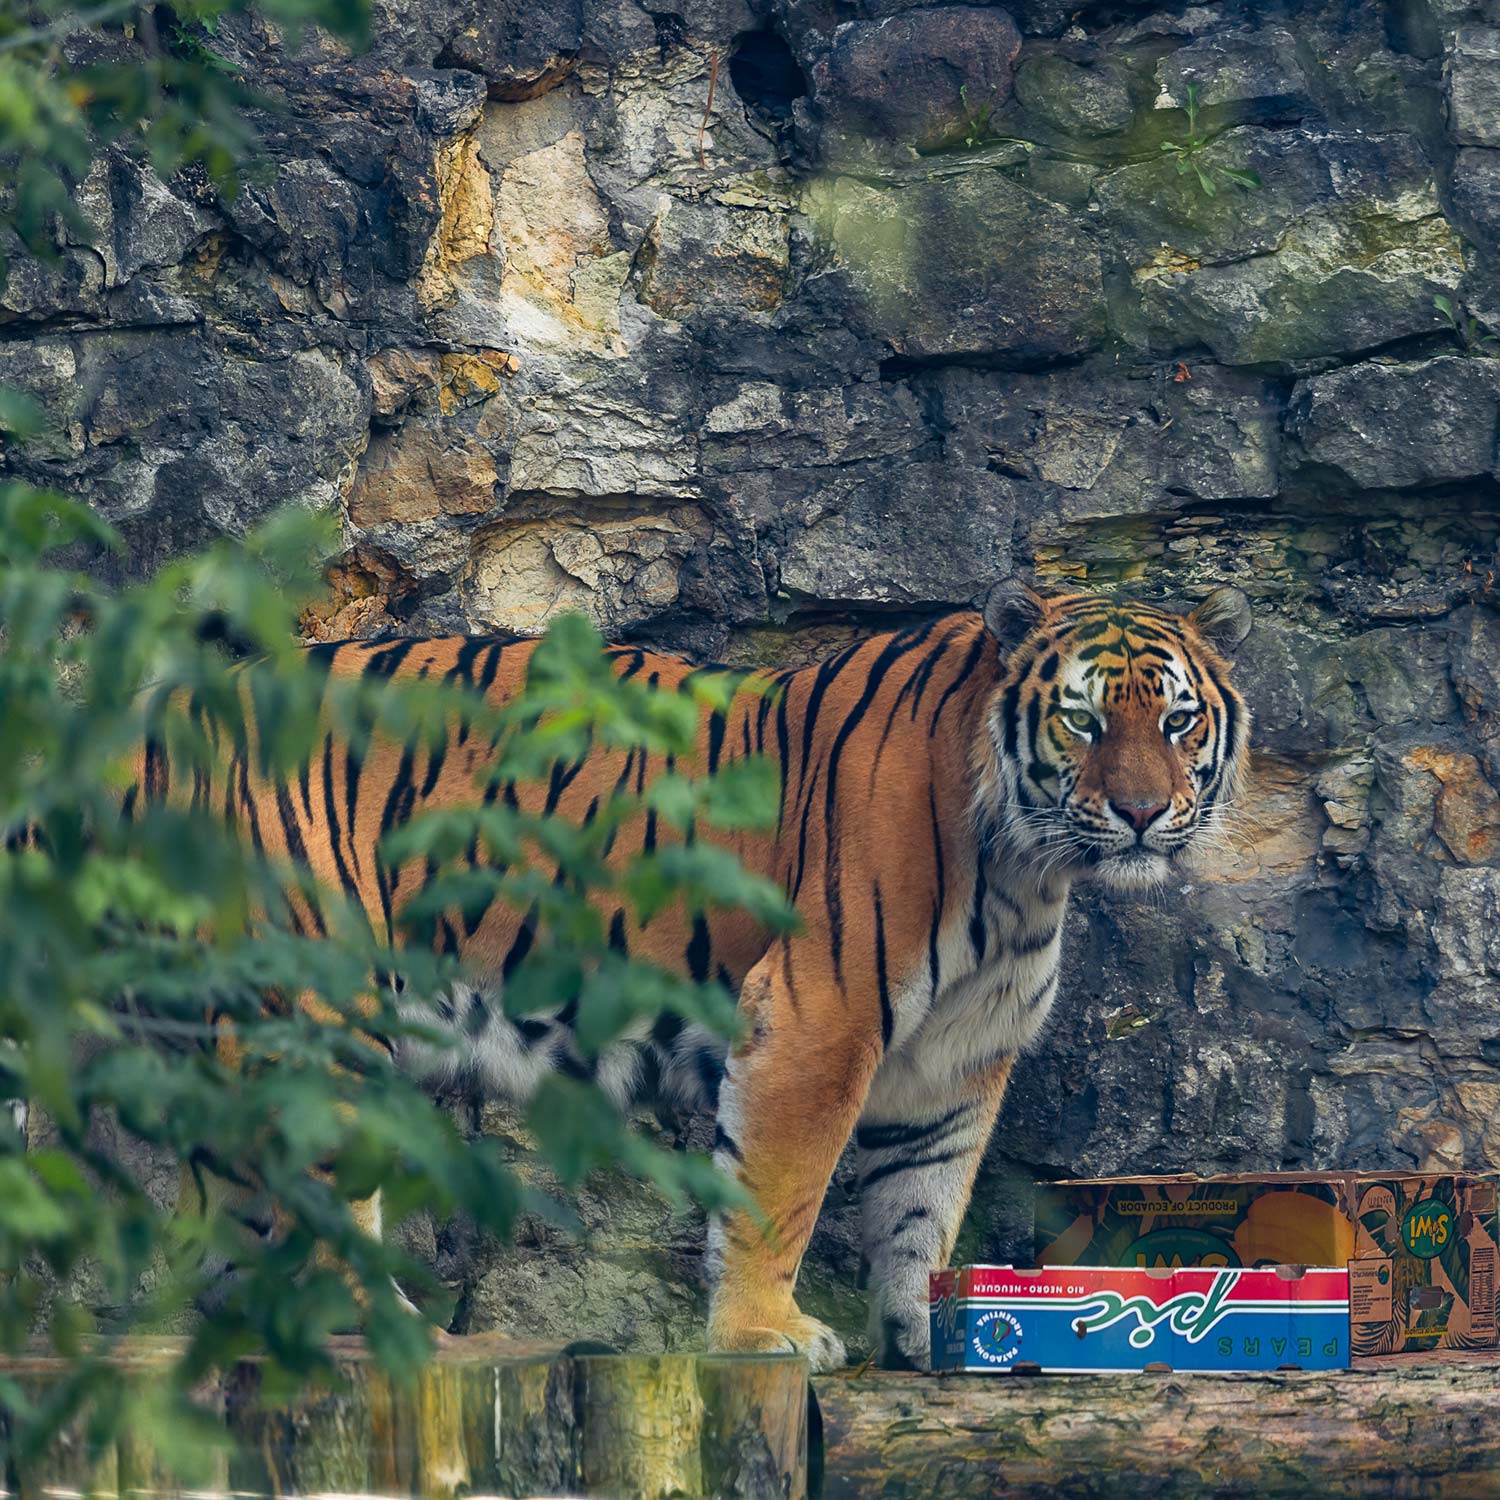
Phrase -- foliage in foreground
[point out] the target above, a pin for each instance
(118, 941)
(123, 942)
(75, 78)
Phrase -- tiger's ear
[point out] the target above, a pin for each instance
(1012, 610)
(1223, 619)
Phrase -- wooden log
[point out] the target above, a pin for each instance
(71, 1466)
(488, 1416)
(131, 1466)
(1393, 1428)
(643, 1419)
(754, 1438)
(533, 1422)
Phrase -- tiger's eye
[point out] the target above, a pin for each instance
(1176, 722)
(1079, 722)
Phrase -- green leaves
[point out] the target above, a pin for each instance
(28, 1210)
(1241, 176)
(34, 522)
(1473, 335)
(1191, 91)
(1189, 155)
(570, 1120)
(975, 126)
(155, 87)
(704, 878)
(166, 984)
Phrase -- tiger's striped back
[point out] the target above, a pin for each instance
(886, 712)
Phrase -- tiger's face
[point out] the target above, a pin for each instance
(1120, 740)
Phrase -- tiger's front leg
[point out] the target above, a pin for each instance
(791, 1095)
(919, 1149)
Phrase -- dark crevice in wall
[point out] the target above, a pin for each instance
(766, 75)
(670, 33)
(898, 367)
(1411, 27)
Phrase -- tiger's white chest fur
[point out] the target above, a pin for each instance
(989, 983)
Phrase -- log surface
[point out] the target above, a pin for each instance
(1393, 1428)
(490, 1416)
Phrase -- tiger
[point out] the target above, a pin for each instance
(941, 788)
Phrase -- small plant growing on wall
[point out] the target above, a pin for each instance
(1474, 337)
(1189, 155)
(974, 127)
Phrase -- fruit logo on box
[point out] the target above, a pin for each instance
(1427, 1228)
(997, 1336)
(1426, 1257)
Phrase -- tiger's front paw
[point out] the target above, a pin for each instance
(822, 1346)
(901, 1337)
(799, 1334)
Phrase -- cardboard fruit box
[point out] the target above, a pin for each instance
(997, 1320)
(1421, 1247)
(1423, 1276)
(1278, 1218)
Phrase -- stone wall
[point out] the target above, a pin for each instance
(748, 324)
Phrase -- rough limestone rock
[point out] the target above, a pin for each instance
(1384, 425)
(911, 82)
(1476, 192)
(1341, 250)
(137, 221)
(1240, 73)
(1111, 447)
(1473, 80)
(964, 266)
(712, 257)
(931, 535)
(748, 330)
(1074, 98)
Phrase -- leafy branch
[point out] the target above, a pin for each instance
(130, 947)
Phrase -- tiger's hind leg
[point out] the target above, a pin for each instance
(791, 1095)
(204, 1194)
(918, 1152)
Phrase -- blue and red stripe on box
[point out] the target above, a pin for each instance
(1087, 1318)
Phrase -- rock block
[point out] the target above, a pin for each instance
(936, 533)
(1410, 423)
(1472, 77)
(1242, 73)
(1342, 249)
(908, 82)
(967, 265)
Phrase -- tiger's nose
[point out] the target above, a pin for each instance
(1140, 815)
